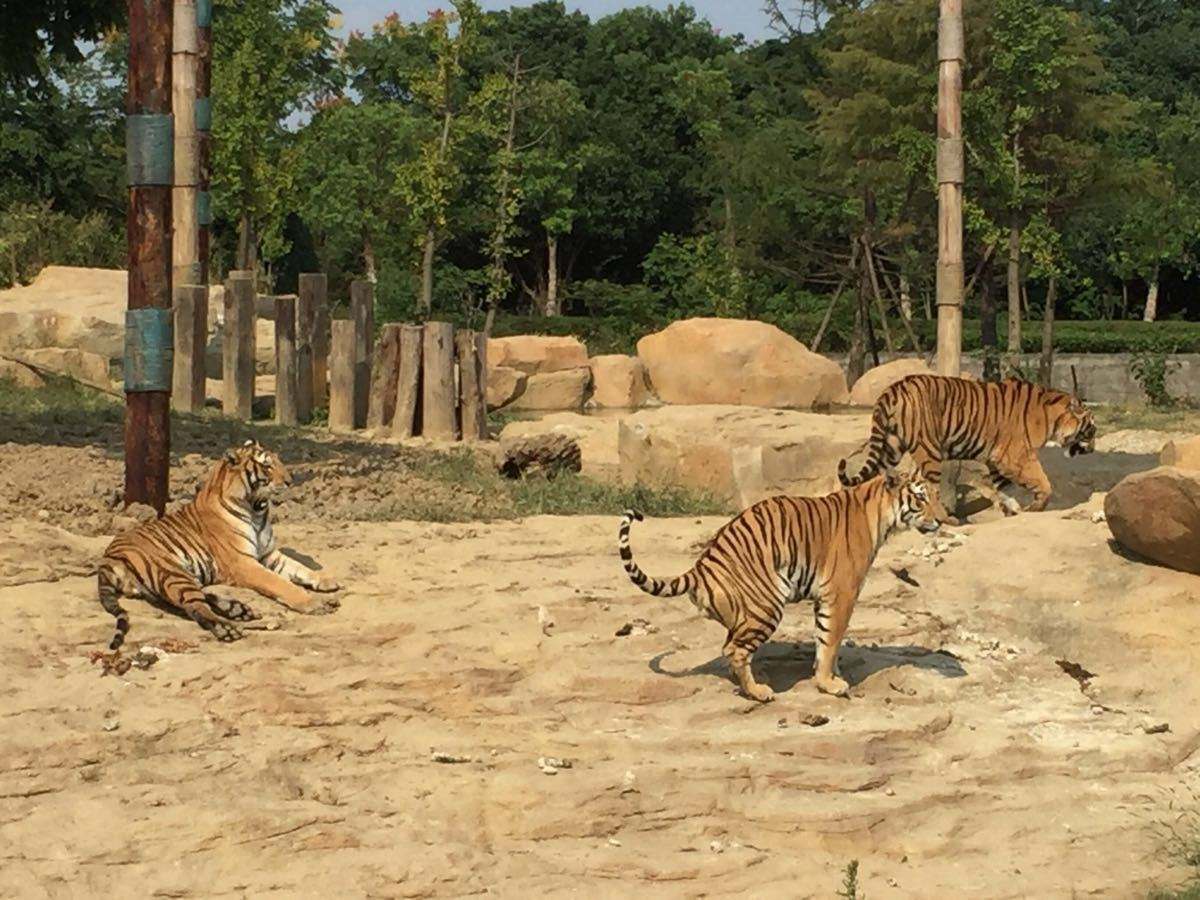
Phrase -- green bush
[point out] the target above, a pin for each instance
(35, 235)
(1107, 336)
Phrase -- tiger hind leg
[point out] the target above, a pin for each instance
(997, 481)
(739, 649)
(181, 590)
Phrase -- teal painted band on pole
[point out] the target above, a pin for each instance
(203, 208)
(203, 106)
(149, 149)
(149, 349)
(203, 13)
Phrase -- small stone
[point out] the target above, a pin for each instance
(1098, 516)
(613, 842)
(550, 765)
(450, 758)
(1160, 728)
(716, 847)
(782, 723)
(111, 724)
(545, 620)
(890, 792)
(814, 720)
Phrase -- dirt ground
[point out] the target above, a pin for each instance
(393, 749)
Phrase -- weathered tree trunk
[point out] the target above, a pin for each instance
(950, 178)
(1125, 299)
(1151, 312)
(987, 325)
(856, 364)
(431, 230)
(552, 307)
(405, 422)
(369, 259)
(500, 236)
(1046, 365)
(905, 299)
(247, 253)
(1014, 286)
(439, 400)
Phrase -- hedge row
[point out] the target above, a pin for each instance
(613, 335)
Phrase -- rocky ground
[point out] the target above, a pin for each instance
(496, 710)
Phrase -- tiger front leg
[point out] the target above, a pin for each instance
(832, 617)
(930, 467)
(298, 573)
(1029, 474)
(251, 574)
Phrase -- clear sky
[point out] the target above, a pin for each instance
(731, 16)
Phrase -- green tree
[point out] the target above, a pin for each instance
(51, 30)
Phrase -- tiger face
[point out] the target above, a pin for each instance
(257, 472)
(1075, 429)
(913, 501)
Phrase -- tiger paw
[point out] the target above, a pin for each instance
(327, 586)
(833, 685)
(322, 607)
(760, 692)
(224, 632)
(1010, 507)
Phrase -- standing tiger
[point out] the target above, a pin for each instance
(786, 549)
(936, 418)
(222, 537)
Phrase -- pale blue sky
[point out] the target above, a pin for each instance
(731, 16)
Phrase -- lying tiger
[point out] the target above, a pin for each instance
(936, 418)
(222, 537)
(787, 549)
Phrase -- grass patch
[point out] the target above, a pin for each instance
(61, 402)
(1115, 418)
(1179, 839)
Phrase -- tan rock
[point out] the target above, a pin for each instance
(537, 354)
(740, 454)
(90, 368)
(724, 361)
(554, 390)
(877, 380)
(1156, 514)
(1182, 454)
(503, 385)
(595, 435)
(618, 382)
(20, 375)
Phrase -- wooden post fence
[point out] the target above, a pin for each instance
(385, 375)
(471, 350)
(315, 331)
(439, 400)
(191, 341)
(148, 320)
(237, 371)
(184, 71)
(341, 375)
(286, 372)
(305, 324)
(950, 187)
(405, 422)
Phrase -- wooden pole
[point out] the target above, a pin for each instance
(184, 65)
(385, 375)
(1046, 364)
(149, 172)
(408, 383)
(341, 375)
(305, 325)
(313, 321)
(362, 311)
(191, 340)
(286, 412)
(471, 386)
(439, 403)
(202, 110)
(237, 372)
(950, 187)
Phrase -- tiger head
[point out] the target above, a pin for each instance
(1075, 428)
(252, 472)
(912, 500)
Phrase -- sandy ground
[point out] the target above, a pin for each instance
(299, 762)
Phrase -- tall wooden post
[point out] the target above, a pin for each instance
(314, 316)
(148, 331)
(341, 375)
(184, 59)
(439, 400)
(950, 187)
(362, 311)
(191, 339)
(237, 371)
(406, 421)
(202, 112)
(286, 412)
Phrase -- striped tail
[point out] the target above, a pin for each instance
(880, 452)
(109, 597)
(676, 587)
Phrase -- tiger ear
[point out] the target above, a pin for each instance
(231, 456)
(893, 479)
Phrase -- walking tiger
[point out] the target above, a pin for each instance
(785, 549)
(936, 418)
(222, 537)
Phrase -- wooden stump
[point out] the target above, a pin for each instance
(385, 375)
(286, 412)
(362, 311)
(341, 376)
(191, 339)
(472, 385)
(237, 373)
(439, 403)
(314, 325)
(305, 323)
(547, 455)
(408, 383)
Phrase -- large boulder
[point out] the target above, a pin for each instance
(90, 368)
(1182, 454)
(564, 389)
(736, 453)
(618, 382)
(877, 380)
(20, 375)
(737, 361)
(537, 354)
(595, 435)
(1156, 514)
(69, 307)
(503, 386)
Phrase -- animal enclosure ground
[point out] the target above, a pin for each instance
(1005, 735)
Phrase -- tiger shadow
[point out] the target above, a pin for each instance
(784, 664)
